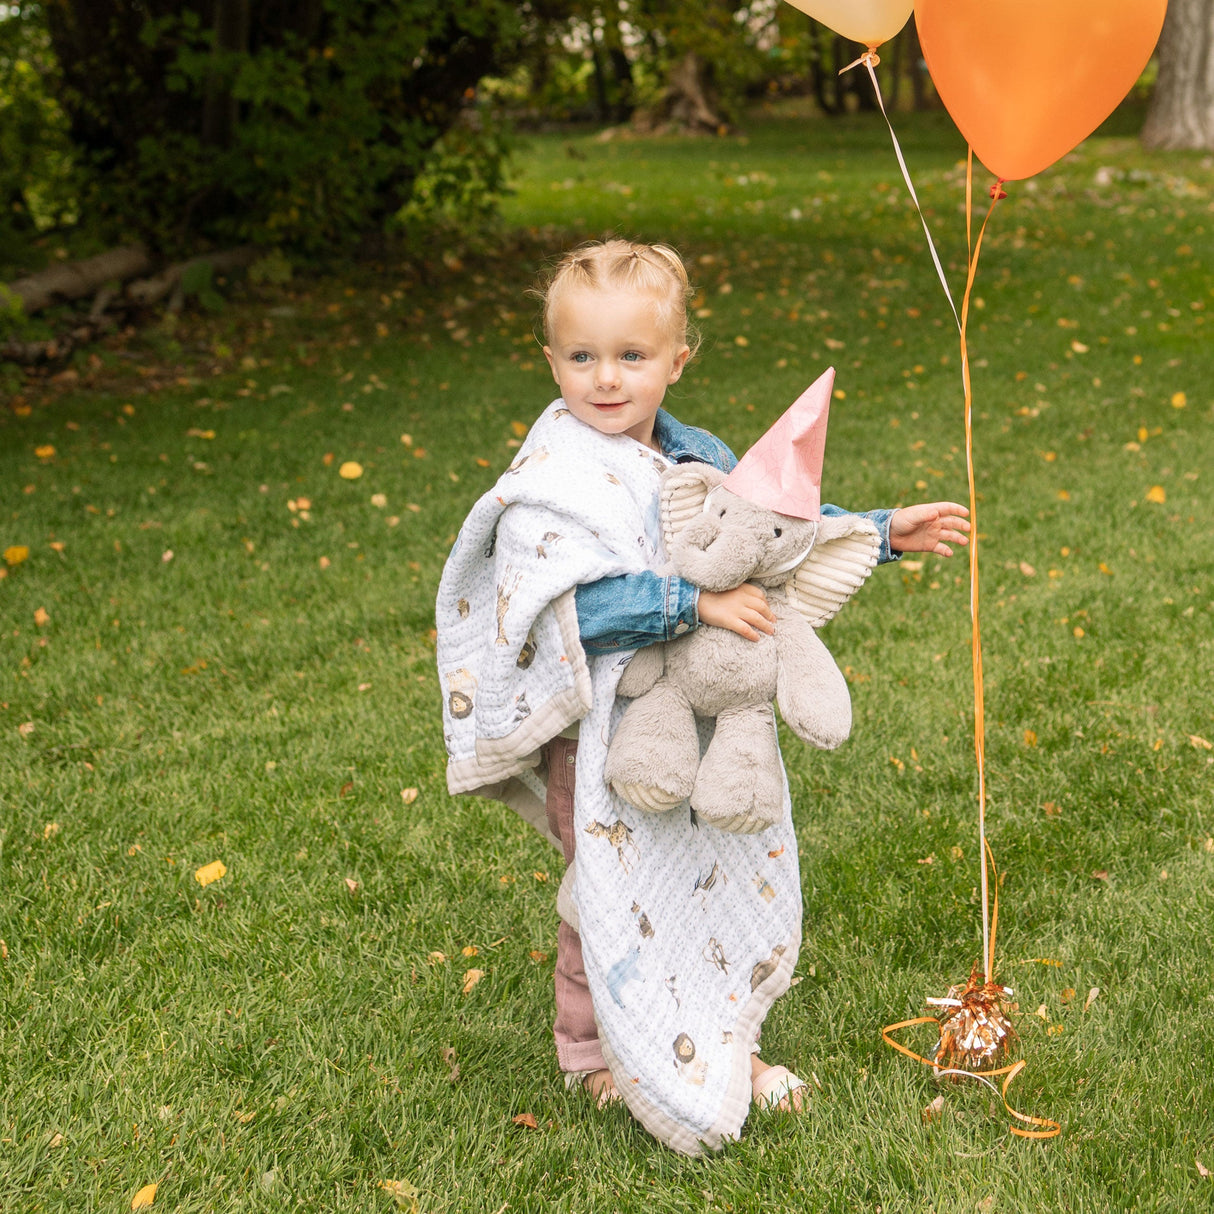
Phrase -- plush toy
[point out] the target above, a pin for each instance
(762, 524)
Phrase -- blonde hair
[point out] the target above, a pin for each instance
(654, 269)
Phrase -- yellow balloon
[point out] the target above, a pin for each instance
(869, 21)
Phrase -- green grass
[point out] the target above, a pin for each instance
(280, 1040)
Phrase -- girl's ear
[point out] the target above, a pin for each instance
(551, 363)
(680, 361)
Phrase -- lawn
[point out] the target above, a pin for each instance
(216, 646)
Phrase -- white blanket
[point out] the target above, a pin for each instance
(688, 933)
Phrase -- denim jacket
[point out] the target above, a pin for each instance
(635, 609)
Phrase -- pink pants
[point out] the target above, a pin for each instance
(577, 1036)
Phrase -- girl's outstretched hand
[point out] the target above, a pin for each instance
(743, 610)
(929, 527)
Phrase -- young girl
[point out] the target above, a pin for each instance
(555, 579)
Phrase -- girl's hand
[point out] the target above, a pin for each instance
(929, 527)
(743, 610)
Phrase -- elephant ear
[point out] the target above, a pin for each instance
(684, 488)
(845, 554)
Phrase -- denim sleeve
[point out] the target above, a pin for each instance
(634, 609)
(881, 520)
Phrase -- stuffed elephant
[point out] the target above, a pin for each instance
(808, 569)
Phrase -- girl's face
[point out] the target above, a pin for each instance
(613, 359)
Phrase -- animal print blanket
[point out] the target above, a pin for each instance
(688, 933)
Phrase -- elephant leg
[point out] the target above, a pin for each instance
(654, 752)
(740, 785)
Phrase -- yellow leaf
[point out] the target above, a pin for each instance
(210, 872)
(1200, 742)
(15, 554)
(351, 470)
(469, 950)
(1030, 737)
(407, 439)
(402, 1192)
(45, 452)
(41, 617)
(144, 1197)
(1157, 494)
(740, 340)
(526, 1119)
(408, 795)
(471, 978)
(324, 562)
(518, 429)
(1179, 400)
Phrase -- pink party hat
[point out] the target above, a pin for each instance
(783, 470)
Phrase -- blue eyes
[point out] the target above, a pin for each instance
(582, 357)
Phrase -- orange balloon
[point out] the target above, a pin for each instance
(1026, 80)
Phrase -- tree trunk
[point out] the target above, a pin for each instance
(1181, 114)
(79, 278)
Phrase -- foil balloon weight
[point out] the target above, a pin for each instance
(868, 21)
(1027, 80)
(975, 1033)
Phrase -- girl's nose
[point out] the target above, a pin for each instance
(607, 374)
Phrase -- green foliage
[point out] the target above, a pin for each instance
(304, 127)
(36, 162)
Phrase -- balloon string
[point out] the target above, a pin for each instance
(976, 630)
(1008, 1072)
(870, 59)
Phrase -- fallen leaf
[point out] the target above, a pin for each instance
(1202, 1170)
(407, 439)
(41, 617)
(379, 500)
(537, 955)
(1041, 1012)
(469, 950)
(408, 795)
(452, 1065)
(144, 1197)
(1027, 569)
(518, 428)
(351, 470)
(25, 728)
(526, 1119)
(166, 556)
(56, 1140)
(210, 872)
(324, 562)
(45, 452)
(1030, 737)
(933, 1111)
(1052, 809)
(1200, 742)
(15, 554)
(436, 958)
(352, 885)
(346, 789)
(402, 1192)
(1067, 995)
(1179, 400)
(987, 1204)
(1157, 494)
(471, 978)
(1055, 1030)
(1093, 995)
(1101, 874)
(50, 830)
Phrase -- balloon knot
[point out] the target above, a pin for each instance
(997, 191)
(869, 59)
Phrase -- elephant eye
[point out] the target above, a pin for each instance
(778, 533)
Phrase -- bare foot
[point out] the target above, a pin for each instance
(602, 1087)
(766, 1081)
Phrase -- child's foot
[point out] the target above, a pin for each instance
(775, 1087)
(601, 1086)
